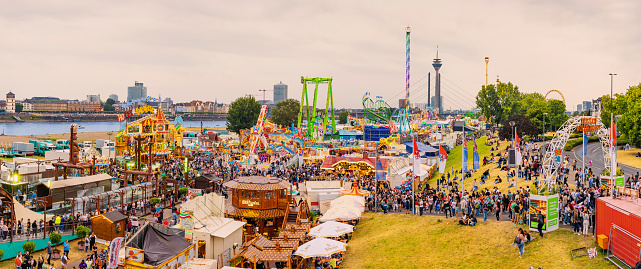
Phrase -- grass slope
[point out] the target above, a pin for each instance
(627, 157)
(405, 241)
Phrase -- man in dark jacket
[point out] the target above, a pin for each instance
(541, 220)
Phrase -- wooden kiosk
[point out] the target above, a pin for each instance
(262, 201)
(109, 225)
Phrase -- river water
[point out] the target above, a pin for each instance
(41, 128)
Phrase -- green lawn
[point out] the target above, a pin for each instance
(405, 241)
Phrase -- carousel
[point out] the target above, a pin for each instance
(260, 201)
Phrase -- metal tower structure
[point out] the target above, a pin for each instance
(311, 113)
(407, 66)
(437, 87)
(487, 60)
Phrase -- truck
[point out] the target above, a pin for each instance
(40, 147)
(101, 143)
(86, 144)
(62, 144)
(23, 148)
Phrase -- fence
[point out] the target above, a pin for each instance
(623, 247)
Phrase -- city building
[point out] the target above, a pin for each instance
(83, 106)
(586, 105)
(137, 91)
(52, 104)
(93, 98)
(114, 97)
(579, 108)
(11, 103)
(280, 92)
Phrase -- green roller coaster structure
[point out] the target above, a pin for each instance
(378, 111)
(311, 113)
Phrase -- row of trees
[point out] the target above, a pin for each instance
(244, 111)
(499, 103)
(628, 105)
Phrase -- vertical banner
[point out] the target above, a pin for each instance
(464, 157)
(114, 248)
(475, 156)
(417, 158)
(613, 149)
(442, 159)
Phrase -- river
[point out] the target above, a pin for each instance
(41, 128)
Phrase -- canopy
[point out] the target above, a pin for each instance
(159, 247)
(341, 214)
(331, 229)
(348, 199)
(320, 247)
(421, 148)
(354, 190)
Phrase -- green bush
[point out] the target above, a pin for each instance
(154, 200)
(1, 254)
(55, 238)
(577, 142)
(183, 190)
(29, 246)
(82, 231)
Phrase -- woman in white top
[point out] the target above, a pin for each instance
(586, 222)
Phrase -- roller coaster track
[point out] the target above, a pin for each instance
(378, 111)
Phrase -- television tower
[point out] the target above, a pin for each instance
(437, 87)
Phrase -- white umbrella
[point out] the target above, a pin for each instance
(341, 214)
(331, 229)
(358, 201)
(320, 247)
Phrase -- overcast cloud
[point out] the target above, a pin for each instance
(221, 50)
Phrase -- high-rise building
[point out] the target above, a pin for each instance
(433, 99)
(586, 105)
(11, 103)
(579, 108)
(136, 92)
(437, 92)
(113, 97)
(93, 98)
(280, 92)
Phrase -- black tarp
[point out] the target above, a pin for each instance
(159, 246)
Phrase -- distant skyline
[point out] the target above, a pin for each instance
(222, 50)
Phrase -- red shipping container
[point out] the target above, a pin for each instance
(625, 214)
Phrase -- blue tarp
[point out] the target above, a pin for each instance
(349, 134)
(429, 151)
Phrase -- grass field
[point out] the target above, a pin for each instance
(627, 157)
(405, 241)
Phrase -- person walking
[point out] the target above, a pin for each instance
(497, 209)
(540, 218)
(63, 261)
(18, 261)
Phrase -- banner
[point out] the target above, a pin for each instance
(475, 156)
(114, 248)
(126, 115)
(613, 149)
(517, 146)
(464, 156)
(442, 159)
(417, 158)
(548, 206)
(585, 143)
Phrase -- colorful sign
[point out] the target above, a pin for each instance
(548, 206)
(126, 115)
(114, 248)
(145, 109)
(588, 125)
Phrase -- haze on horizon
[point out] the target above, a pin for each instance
(222, 50)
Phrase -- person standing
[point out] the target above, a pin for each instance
(19, 260)
(63, 261)
(65, 247)
(576, 220)
(540, 218)
(586, 222)
(92, 241)
(520, 242)
(49, 252)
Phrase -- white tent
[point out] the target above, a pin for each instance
(331, 229)
(349, 201)
(341, 214)
(320, 247)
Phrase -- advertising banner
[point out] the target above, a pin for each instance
(114, 248)
(548, 206)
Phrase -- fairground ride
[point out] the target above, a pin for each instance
(310, 112)
(550, 91)
(378, 111)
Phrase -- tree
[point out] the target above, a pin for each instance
(19, 108)
(108, 107)
(286, 112)
(342, 118)
(55, 238)
(556, 113)
(110, 101)
(499, 102)
(29, 246)
(82, 231)
(627, 105)
(523, 127)
(243, 114)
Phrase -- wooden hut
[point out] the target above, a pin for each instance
(109, 225)
(206, 182)
(262, 201)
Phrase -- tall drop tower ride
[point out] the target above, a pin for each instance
(407, 66)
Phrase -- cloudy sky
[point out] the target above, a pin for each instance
(221, 50)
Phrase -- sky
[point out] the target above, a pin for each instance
(222, 50)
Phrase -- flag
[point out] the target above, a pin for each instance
(517, 147)
(475, 156)
(442, 159)
(380, 173)
(613, 136)
(464, 159)
(114, 249)
(417, 158)
(585, 143)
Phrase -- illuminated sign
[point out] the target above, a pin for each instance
(249, 203)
